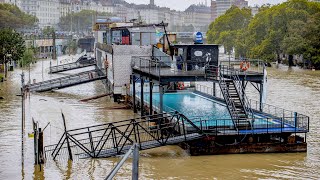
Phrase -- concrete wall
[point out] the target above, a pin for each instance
(121, 63)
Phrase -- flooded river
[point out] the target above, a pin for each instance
(293, 89)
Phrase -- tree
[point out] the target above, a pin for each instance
(81, 21)
(285, 29)
(11, 47)
(27, 58)
(12, 43)
(48, 31)
(226, 29)
(13, 17)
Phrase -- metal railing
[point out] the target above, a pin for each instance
(256, 66)
(260, 125)
(66, 81)
(70, 66)
(116, 138)
(268, 110)
(134, 150)
(162, 65)
(242, 95)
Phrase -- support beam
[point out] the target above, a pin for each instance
(214, 89)
(141, 96)
(150, 90)
(161, 92)
(261, 96)
(134, 93)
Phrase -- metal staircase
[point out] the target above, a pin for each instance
(80, 63)
(234, 95)
(67, 81)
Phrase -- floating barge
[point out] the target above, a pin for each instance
(185, 96)
(152, 78)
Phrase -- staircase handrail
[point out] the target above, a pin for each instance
(229, 103)
(243, 97)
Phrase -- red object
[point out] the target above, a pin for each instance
(125, 40)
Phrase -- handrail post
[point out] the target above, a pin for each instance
(67, 137)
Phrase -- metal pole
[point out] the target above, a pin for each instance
(134, 94)
(150, 104)
(161, 98)
(141, 96)
(261, 96)
(67, 137)
(22, 101)
(135, 163)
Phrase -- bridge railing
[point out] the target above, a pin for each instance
(83, 63)
(116, 138)
(64, 81)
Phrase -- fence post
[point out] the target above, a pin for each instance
(67, 137)
(295, 121)
(40, 148)
(135, 163)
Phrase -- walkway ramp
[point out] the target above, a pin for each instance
(80, 63)
(67, 81)
(111, 139)
(234, 95)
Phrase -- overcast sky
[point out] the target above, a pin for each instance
(183, 4)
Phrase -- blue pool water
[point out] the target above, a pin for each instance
(196, 107)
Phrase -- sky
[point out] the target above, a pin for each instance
(183, 4)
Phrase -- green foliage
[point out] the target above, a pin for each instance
(12, 43)
(71, 47)
(225, 29)
(13, 17)
(81, 21)
(285, 28)
(27, 58)
(292, 27)
(48, 31)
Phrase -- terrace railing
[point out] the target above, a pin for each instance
(272, 112)
(256, 66)
(159, 65)
(299, 124)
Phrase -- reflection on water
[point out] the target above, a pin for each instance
(293, 89)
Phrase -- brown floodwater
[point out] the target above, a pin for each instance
(293, 89)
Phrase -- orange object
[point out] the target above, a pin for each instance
(244, 65)
(180, 85)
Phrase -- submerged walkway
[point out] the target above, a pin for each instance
(72, 66)
(116, 138)
(67, 81)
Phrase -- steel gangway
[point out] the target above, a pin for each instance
(234, 95)
(116, 138)
(66, 81)
(80, 63)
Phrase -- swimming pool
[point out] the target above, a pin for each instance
(199, 109)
